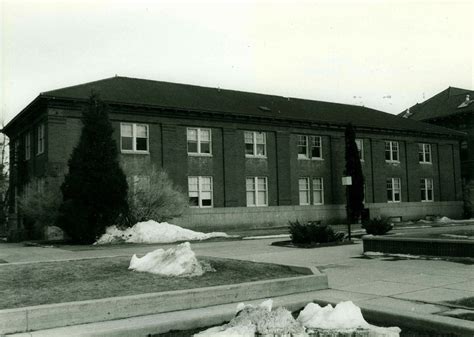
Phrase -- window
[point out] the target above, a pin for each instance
(134, 137)
(27, 146)
(309, 147)
(199, 141)
(255, 144)
(40, 143)
(360, 148)
(200, 191)
(257, 192)
(394, 193)
(16, 152)
(424, 153)
(318, 191)
(426, 188)
(391, 151)
(303, 184)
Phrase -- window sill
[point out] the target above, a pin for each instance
(395, 162)
(426, 163)
(255, 157)
(317, 158)
(427, 200)
(198, 207)
(134, 152)
(393, 202)
(257, 205)
(193, 154)
(304, 158)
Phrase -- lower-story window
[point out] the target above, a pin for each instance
(303, 184)
(257, 191)
(394, 187)
(426, 188)
(200, 191)
(305, 191)
(318, 191)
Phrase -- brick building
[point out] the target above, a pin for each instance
(246, 159)
(452, 108)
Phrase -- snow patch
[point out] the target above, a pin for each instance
(345, 317)
(154, 232)
(407, 256)
(178, 261)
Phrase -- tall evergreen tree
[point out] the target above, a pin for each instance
(95, 188)
(355, 192)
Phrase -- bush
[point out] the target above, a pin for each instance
(153, 196)
(39, 203)
(312, 232)
(377, 226)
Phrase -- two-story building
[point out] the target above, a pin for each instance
(246, 159)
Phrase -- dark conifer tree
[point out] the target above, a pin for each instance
(355, 197)
(95, 188)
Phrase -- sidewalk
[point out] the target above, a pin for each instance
(420, 287)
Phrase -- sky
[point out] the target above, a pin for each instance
(387, 55)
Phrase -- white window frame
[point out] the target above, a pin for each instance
(134, 138)
(310, 140)
(254, 143)
(425, 151)
(40, 139)
(360, 148)
(199, 141)
(27, 146)
(425, 189)
(321, 190)
(392, 149)
(394, 190)
(306, 190)
(200, 191)
(256, 190)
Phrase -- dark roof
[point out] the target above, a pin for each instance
(127, 90)
(451, 101)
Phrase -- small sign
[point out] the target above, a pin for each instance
(347, 181)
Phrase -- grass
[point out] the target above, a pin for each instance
(55, 282)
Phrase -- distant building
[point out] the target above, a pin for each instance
(245, 159)
(452, 108)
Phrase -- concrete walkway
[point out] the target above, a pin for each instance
(397, 285)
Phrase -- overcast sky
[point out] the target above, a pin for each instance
(387, 55)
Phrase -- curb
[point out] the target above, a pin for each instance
(74, 313)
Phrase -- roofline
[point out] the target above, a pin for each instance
(452, 134)
(21, 113)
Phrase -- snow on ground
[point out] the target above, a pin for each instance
(407, 256)
(176, 261)
(252, 320)
(345, 317)
(154, 232)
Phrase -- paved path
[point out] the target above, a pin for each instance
(419, 286)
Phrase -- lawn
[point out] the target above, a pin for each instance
(54, 282)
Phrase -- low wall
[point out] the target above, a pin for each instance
(225, 218)
(418, 246)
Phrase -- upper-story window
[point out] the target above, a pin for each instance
(199, 141)
(309, 147)
(255, 144)
(134, 137)
(27, 146)
(424, 153)
(360, 148)
(391, 151)
(40, 139)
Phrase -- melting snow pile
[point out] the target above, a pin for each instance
(179, 261)
(154, 232)
(345, 319)
(251, 320)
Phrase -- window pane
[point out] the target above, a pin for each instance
(206, 184)
(249, 149)
(248, 137)
(318, 197)
(262, 184)
(193, 201)
(142, 131)
(192, 135)
(262, 198)
(304, 198)
(192, 184)
(127, 143)
(250, 199)
(206, 195)
(260, 149)
(250, 186)
(303, 183)
(317, 183)
(430, 195)
(126, 130)
(205, 135)
(396, 196)
(260, 137)
(205, 148)
(316, 152)
(302, 140)
(206, 202)
(192, 147)
(142, 144)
